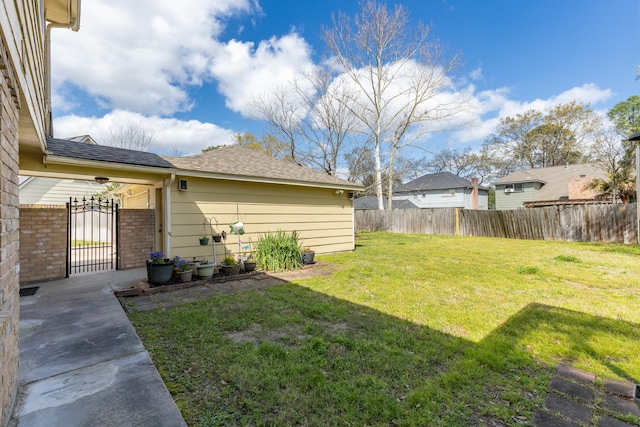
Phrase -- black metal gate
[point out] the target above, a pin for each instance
(92, 235)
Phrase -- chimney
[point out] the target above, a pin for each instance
(474, 193)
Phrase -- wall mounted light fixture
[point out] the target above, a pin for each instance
(101, 179)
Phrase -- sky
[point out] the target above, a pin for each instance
(189, 70)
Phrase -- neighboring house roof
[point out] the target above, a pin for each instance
(230, 162)
(371, 202)
(83, 138)
(555, 179)
(435, 181)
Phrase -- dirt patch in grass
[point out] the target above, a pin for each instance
(289, 335)
(317, 269)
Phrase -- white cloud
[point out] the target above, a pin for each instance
(142, 55)
(491, 106)
(170, 135)
(246, 72)
(476, 74)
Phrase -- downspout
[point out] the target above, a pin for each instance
(166, 209)
(74, 25)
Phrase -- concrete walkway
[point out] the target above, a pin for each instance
(81, 361)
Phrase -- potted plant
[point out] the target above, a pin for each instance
(249, 264)
(230, 266)
(159, 269)
(307, 255)
(185, 271)
(204, 241)
(205, 270)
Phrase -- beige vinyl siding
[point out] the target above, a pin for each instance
(53, 191)
(23, 37)
(322, 218)
(142, 197)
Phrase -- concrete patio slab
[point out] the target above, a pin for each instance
(81, 361)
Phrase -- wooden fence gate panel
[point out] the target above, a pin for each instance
(92, 235)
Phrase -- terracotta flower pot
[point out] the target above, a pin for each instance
(185, 276)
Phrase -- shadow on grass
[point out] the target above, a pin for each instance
(606, 346)
(291, 356)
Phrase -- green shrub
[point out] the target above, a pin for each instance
(279, 251)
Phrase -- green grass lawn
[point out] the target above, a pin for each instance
(410, 330)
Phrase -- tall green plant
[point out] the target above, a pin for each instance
(278, 251)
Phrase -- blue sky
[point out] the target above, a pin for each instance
(189, 69)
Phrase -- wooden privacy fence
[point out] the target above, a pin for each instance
(587, 223)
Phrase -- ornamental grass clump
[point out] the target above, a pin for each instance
(278, 251)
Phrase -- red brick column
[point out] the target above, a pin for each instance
(136, 236)
(9, 235)
(43, 244)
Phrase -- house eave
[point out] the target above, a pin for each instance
(265, 180)
(63, 12)
(75, 168)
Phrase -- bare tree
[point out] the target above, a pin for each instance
(283, 113)
(329, 125)
(133, 136)
(309, 116)
(400, 76)
(361, 169)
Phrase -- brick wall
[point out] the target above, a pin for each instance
(137, 236)
(9, 235)
(577, 189)
(43, 244)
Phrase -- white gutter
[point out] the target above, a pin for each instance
(74, 25)
(166, 214)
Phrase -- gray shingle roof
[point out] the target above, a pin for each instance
(103, 153)
(371, 202)
(435, 181)
(241, 161)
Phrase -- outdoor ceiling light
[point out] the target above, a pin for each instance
(101, 179)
